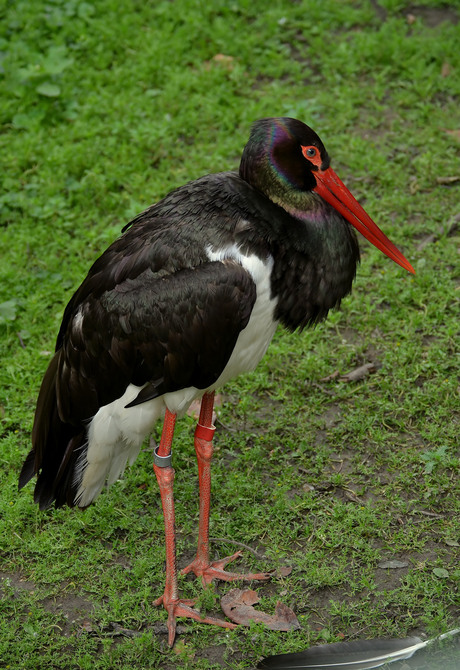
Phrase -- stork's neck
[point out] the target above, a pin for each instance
(305, 206)
(316, 256)
(299, 200)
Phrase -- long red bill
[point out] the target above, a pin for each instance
(331, 188)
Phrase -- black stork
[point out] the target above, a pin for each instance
(187, 298)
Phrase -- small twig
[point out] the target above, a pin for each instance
(351, 495)
(226, 427)
(115, 630)
(340, 461)
(331, 377)
(21, 341)
(238, 544)
(357, 634)
(432, 514)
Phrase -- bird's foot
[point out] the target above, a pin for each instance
(215, 570)
(178, 607)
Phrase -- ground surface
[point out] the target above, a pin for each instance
(106, 106)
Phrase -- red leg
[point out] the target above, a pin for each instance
(201, 565)
(175, 606)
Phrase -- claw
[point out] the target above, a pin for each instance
(215, 570)
(184, 608)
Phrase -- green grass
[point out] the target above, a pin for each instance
(105, 107)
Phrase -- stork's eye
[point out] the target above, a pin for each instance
(312, 154)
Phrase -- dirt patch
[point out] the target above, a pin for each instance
(432, 16)
(332, 416)
(15, 581)
(74, 609)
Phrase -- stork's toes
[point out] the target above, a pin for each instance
(215, 570)
(184, 608)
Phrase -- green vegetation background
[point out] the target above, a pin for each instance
(106, 106)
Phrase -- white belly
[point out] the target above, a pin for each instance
(116, 433)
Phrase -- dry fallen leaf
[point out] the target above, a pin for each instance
(393, 565)
(227, 62)
(222, 58)
(358, 373)
(453, 133)
(448, 180)
(445, 69)
(238, 604)
(413, 186)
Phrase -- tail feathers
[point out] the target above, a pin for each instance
(46, 403)
(28, 469)
(56, 468)
(56, 448)
(56, 480)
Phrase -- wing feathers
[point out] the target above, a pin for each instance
(169, 332)
(357, 655)
(161, 332)
(153, 312)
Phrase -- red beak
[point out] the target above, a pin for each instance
(334, 191)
